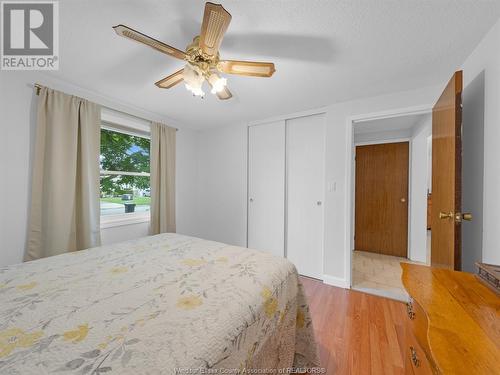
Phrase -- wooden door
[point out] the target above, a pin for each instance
(266, 187)
(305, 192)
(381, 198)
(446, 176)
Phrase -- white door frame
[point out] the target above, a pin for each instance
(349, 167)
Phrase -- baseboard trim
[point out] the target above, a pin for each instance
(336, 281)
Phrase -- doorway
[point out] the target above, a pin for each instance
(381, 198)
(391, 184)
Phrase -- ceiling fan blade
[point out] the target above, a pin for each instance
(127, 32)
(215, 23)
(224, 94)
(247, 68)
(171, 80)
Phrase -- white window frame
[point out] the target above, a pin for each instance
(110, 221)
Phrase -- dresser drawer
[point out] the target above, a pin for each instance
(453, 322)
(416, 361)
(418, 324)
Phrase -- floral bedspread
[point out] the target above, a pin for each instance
(157, 305)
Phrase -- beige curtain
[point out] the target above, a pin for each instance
(64, 212)
(162, 178)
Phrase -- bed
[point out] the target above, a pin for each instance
(157, 305)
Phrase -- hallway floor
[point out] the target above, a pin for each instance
(378, 274)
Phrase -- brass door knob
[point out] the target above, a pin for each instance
(467, 216)
(446, 215)
(403, 200)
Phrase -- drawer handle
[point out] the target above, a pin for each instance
(409, 310)
(414, 358)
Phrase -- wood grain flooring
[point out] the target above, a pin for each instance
(357, 333)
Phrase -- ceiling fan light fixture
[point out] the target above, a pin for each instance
(193, 79)
(217, 83)
(196, 91)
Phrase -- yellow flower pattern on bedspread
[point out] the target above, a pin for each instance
(118, 270)
(13, 338)
(188, 303)
(270, 303)
(78, 334)
(27, 286)
(193, 262)
(154, 305)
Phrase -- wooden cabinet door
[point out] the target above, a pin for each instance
(381, 206)
(446, 176)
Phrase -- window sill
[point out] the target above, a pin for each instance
(110, 221)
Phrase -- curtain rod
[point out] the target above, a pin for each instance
(38, 87)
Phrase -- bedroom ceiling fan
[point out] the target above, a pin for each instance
(202, 58)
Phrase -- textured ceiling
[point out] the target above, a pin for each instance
(324, 51)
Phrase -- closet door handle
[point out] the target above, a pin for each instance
(319, 203)
(251, 199)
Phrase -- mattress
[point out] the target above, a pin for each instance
(163, 304)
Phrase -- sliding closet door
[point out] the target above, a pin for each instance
(266, 187)
(305, 192)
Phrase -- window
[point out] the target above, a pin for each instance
(125, 189)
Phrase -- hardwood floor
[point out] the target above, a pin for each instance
(357, 333)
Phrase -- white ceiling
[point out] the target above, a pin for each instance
(389, 124)
(324, 51)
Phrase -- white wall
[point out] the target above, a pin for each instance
(16, 135)
(418, 189)
(17, 111)
(186, 180)
(486, 58)
(387, 135)
(124, 232)
(473, 172)
(222, 184)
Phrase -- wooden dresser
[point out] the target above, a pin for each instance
(453, 323)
